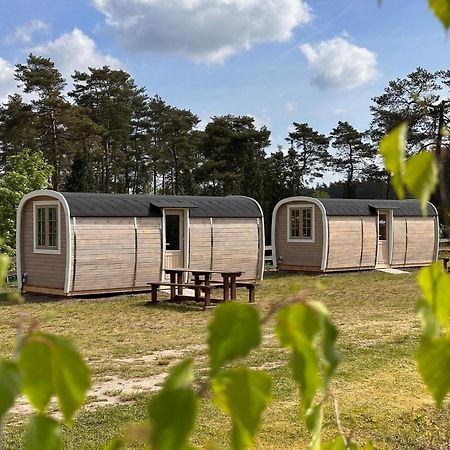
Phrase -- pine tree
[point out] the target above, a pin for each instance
(352, 154)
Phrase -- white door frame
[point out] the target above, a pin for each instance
(389, 236)
(184, 233)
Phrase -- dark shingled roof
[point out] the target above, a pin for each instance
(358, 207)
(126, 205)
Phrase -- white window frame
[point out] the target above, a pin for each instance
(297, 206)
(40, 204)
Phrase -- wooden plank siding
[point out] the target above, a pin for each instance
(200, 256)
(43, 270)
(104, 254)
(399, 242)
(421, 240)
(235, 246)
(352, 242)
(148, 268)
(111, 254)
(298, 255)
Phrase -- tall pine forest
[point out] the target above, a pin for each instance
(100, 132)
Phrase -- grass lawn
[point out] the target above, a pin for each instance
(130, 347)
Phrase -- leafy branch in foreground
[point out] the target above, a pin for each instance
(433, 355)
(420, 175)
(44, 366)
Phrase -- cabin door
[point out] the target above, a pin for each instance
(384, 235)
(173, 238)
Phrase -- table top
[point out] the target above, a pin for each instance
(203, 271)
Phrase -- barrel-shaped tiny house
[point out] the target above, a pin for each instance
(81, 243)
(326, 235)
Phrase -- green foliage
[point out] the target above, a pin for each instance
(172, 411)
(299, 328)
(243, 394)
(25, 172)
(433, 355)
(419, 174)
(308, 332)
(441, 9)
(340, 444)
(51, 366)
(421, 177)
(353, 154)
(233, 332)
(43, 433)
(392, 149)
(10, 382)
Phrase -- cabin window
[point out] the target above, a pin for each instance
(301, 223)
(382, 226)
(46, 227)
(172, 232)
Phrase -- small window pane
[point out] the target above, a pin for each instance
(306, 228)
(295, 223)
(382, 226)
(52, 227)
(172, 232)
(41, 227)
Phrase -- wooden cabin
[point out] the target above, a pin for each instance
(327, 235)
(79, 243)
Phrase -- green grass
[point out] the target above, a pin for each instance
(380, 394)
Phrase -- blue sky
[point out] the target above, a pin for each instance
(277, 60)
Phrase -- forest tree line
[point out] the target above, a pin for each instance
(107, 134)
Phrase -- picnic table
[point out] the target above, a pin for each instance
(203, 282)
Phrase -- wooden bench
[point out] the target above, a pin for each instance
(250, 286)
(176, 291)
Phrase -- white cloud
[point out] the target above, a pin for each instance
(75, 50)
(203, 30)
(262, 120)
(290, 106)
(7, 82)
(339, 64)
(25, 32)
(340, 111)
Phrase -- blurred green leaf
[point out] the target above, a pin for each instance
(434, 309)
(173, 410)
(392, 149)
(52, 366)
(10, 381)
(330, 354)
(233, 332)
(35, 362)
(117, 444)
(313, 419)
(339, 444)
(72, 377)
(433, 358)
(4, 262)
(299, 328)
(243, 394)
(441, 9)
(43, 433)
(181, 376)
(421, 177)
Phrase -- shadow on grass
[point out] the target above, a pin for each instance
(184, 307)
(272, 275)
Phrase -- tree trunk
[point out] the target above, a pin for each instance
(441, 156)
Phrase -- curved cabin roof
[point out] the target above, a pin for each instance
(83, 204)
(368, 207)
